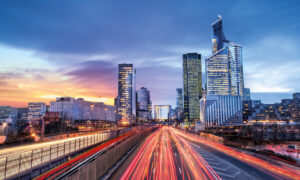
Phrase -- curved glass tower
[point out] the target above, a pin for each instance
(225, 81)
(218, 35)
(224, 68)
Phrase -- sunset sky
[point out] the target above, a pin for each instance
(72, 47)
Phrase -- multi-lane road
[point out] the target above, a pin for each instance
(169, 153)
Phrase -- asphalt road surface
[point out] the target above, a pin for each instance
(169, 153)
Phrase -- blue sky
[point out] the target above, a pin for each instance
(56, 48)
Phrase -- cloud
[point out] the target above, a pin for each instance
(270, 65)
(162, 82)
(75, 47)
(97, 75)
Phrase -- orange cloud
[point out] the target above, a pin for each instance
(18, 91)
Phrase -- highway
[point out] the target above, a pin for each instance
(17, 160)
(63, 168)
(169, 153)
(28, 147)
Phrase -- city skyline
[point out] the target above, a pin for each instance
(149, 89)
(40, 63)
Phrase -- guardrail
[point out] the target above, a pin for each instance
(13, 165)
(97, 165)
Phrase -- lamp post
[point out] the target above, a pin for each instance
(92, 116)
(105, 111)
(62, 115)
(43, 128)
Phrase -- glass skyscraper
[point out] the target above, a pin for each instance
(179, 98)
(144, 105)
(192, 86)
(161, 112)
(224, 68)
(126, 95)
(225, 81)
(247, 96)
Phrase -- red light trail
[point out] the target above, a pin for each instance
(64, 167)
(273, 170)
(168, 154)
(165, 156)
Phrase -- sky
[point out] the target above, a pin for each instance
(72, 47)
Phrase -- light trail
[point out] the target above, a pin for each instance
(22, 148)
(165, 155)
(53, 173)
(273, 170)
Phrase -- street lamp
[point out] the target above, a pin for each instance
(105, 111)
(43, 128)
(62, 115)
(92, 116)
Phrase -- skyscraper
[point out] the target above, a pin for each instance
(225, 80)
(179, 104)
(126, 94)
(144, 105)
(192, 86)
(224, 68)
(161, 112)
(247, 95)
(179, 98)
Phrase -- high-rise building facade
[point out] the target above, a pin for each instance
(224, 68)
(247, 96)
(179, 104)
(192, 86)
(224, 81)
(144, 105)
(179, 98)
(67, 107)
(36, 111)
(126, 94)
(161, 112)
(71, 109)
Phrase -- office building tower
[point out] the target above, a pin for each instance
(126, 94)
(72, 110)
(179, 98)
(225, 81)
(224, 68)
(192, 86)
(179, 104)
(36, 111)
(172, 115)
(67, 107)
(247, 96)
(144, 105)
(161, 112)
